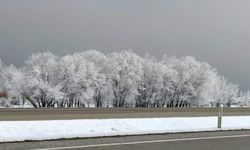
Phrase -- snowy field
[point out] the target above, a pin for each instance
(57, 129)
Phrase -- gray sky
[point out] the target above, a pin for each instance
(216, 31)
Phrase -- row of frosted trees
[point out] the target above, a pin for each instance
(119, 79)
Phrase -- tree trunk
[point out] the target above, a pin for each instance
(30, 99)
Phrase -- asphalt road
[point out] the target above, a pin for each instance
(223, 140)
(104, 113)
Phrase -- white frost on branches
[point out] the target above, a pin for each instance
(119, 79)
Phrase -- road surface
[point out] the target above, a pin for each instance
(224, 140)
(103, 113)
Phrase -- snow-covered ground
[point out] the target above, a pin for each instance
(56, 129)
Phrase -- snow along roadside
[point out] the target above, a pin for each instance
(57, 129)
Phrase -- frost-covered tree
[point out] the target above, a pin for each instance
(77, 88)
(44, 79)
(2, 69)
(101, 81)
(244, 98)
(232, 94)
(185, 79)
(14, 84)
(3, 92)
(88, 81)
(151, 83)
(222, 91)
(119, 79)
(127, 72)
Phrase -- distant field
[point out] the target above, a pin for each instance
(104, 113)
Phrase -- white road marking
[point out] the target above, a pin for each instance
(145, 142)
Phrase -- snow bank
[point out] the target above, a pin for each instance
(56, 129)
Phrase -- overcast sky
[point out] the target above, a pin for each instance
(216, 31)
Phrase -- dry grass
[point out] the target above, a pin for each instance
(103, 113)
